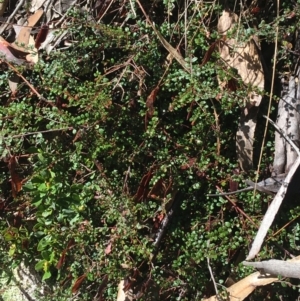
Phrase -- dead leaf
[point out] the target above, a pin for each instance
(255, 10)
(150, 101)
(208, 53)
(174, 53)
(244, 57)
(150, 104)
(227, 21)
(172, 50)
(243, 288)
(42, 35)
(22, 39)
(61, 260)
(78, 283)
(158, 190)
(71, 243)
(121, 292)
(11, 54)
(143, 189)
(161, 189)
(108, 248)
(16, 183)
(101, 289)
(33, 56)
(36, 4)
(157, 221)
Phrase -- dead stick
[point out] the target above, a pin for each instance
(26, 81)
(271, 212)
(3, 27)
(39, 132)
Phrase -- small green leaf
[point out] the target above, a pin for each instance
(46, 275)
(12, 250)
(40, 265)
(43, 243)
(47, 213)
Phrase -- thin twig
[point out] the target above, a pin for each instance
(104, 13)
(26, 81)
(46, 5)
(66, 13)
(271, 94)
(57, 39)
(185, 27)
(125, 184)
(217, 128)
(38, 132)
(132, 8)
(212, 275)
(3, 27)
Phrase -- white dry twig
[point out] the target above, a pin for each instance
(271, 212)
(38, 132)
(211, 274)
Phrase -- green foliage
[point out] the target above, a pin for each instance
(84, 148)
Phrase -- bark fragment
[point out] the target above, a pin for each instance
(288, 120)
(244, 57)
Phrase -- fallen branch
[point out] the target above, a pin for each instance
(277, 267)
(243, 288)
(271, 212)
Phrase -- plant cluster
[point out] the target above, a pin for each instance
(121, 130)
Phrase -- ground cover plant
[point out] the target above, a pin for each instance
(125, 121)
